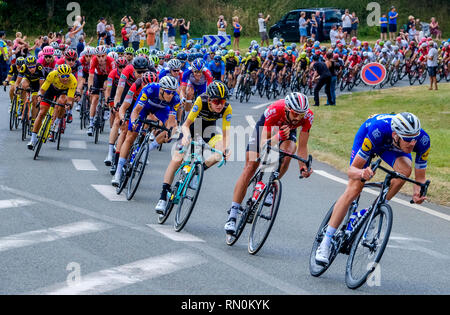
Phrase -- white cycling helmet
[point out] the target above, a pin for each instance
(174, 64)
(100, 50)
(405, 124)
(297, 102)
(169, 83)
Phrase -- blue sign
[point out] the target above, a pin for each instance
(373, 73)
(216, 40)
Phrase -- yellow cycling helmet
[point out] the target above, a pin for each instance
(64, 69)
(217, 90)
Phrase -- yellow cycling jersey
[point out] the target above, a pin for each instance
(249, 59)
(54, 80)
(201, 109)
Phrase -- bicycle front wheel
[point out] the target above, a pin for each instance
(12, 113)
(368, 247)
(138, 170)
(264, 218)
(189, 197)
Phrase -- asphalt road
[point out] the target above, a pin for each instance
(64, 231)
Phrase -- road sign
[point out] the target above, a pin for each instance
(216, 39)
(373, 73)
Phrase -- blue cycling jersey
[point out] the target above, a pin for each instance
(375, 137)
(216, 69)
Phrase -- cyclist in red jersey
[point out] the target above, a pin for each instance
(101, 66)
(279, 124)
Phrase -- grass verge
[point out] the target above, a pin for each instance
(335, 127)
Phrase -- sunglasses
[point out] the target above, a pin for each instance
(48, 57)
(121, 67)
(176, 70)
(70, 59)
(198, 72)
(102, 56)
(409, 139)
(31, 67)
(128, 54)
(170, 92)
(218, 102)
(64, 76)
(140, 71)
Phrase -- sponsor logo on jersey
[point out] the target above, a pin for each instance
(425, 155)
(195, 109)
(269, 112)
(228, 118)
(367, 145)
(425, 140)
(376, 133)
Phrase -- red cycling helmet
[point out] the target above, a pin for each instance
(354, 39)
(399, 39)
(149, 77)
(71, 53)
(336, 57)
(122, 62)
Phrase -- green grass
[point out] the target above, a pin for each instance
(335, 127)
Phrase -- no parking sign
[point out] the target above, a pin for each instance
(373, 73)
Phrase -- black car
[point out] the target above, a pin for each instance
(288, 27)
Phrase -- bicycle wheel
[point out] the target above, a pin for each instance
(412, 77)
(42, 136)
(25, 123)
(368, 248)
(137, 171)
(423, 77)
(12, 113)
(123, 179)
(264, 218)
(58, 134)
(189, 197)
(162, 218)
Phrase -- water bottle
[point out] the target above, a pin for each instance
(106, 114)
(258, 189)
(134, 154)
(354, 219)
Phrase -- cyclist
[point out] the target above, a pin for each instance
(217, 68)
(32, 76)
(302, 65)
(278, 68)
(60, 83)
(182, 56)
(252, 66)
(12, 76)
(160, 99)
(129, 54)
(393, 138)
(354, 63)
(173, 69)
(194, 82)
(209, 107)
(101, 67)
(279, 123)
(231, 69)
(85, 61)
(47, 60)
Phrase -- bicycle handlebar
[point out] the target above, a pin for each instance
(207, 146)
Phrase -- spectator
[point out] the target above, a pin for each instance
(165, 38)
(393, 15)
(37, 46)
(134, 38)
(411, 22)
(355, 23)
(58, 38)
(432, 63)
(78, 26)
(302, 24)
(334, 34)
(314, 26)
(172, 31)
(112, 33)
(332, 66)
(157, 28)
(142, 35)
(184, 32)
(237, 32)
(4, 57)
(263, 29)
(413, 34)
(323, 75)
(402, 34)
(150, 32)
(384, 27)
(320, 20)
(125, 36)
(347, 24)
(434, 29)
(45, 42)
(341, 35)
(101, 27)
(222, 26)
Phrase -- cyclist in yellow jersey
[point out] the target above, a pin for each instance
(60, 84)
(210, 107)
(232, 69)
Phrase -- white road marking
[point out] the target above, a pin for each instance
(400, 201)
(251, 121)
(51, 234)
(168, 232)
(261, 105)
(409, 243)
(73, 144)
(109, 192)
(114, 278)
(14, 203)
(84, 165)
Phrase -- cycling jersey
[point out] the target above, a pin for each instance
(252, 65)
(86, 65)
(104, 69)
(127, 77)
(202, 109)
(231, 63)
(48, 66)
(199, 85)
(38, 74)
(279, 63)
(375, 137)
(54, 81)
(216, 70)
(77, 68)
(304, 63)
(166, 71)
(290, 60)
(134, 91)
(13, 72)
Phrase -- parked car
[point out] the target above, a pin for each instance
(288, 27)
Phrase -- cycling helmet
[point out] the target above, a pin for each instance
(336, 56)
(149, 77)
(71, 53)
(231, 53)
(365, 54)
(57, 53)
(64, 69)
(381, 43)
(297, 102)
(293, 45)
(155, 59)
(303, 55)
(203, 50)
(214, 48)
(174, 64)
(224, 52)
(145, 51)
(191, 57)
(264, 54)
(198, 64)
(280, 54)
(31, 61)
(395, 48)
(217, 90)
(160, 54)
(122, 62)
(169, 83)
(217, 58)
(48, 51)
(197, 46)
(129, 50)
(412, 43)
(271, 47)
(388, 43)
(384, 50)
(140, 63)
(182, 56)
(338, 45)
(446, 44)
(365, 43)
(40, 54)
(333, 45)
(100, 50)
(63, 47)
(354, 39)
(405, 124)
(20, 62)
(223, 46)
(254, 53)
(113, 55)
(120, 49)
(253, 42)
(256, 47)
(55, 45)
(89, 51)
(424, 45)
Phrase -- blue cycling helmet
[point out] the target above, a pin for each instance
(198, 64)
(203, 50)
(217, 58)
(198, 46)
(191, 57)
(214, 48)
(120, 49)
(182, 56)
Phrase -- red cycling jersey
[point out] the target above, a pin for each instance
(86, 65)
(77, 69)
(275, 116)
(127, 77)
(104, 69)
(113, 78)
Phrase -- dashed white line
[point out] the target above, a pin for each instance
(125, 275)
(14, 203)
(261, 105)
(75, 144)
(51, 234)
(168, 232)
(400, 201)
(84, 165)
(109, 192)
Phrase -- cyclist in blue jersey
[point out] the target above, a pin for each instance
(194, 83)
(217, 68)
(173, 69)
(160, 99)
(393, 138)
(182, 56)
